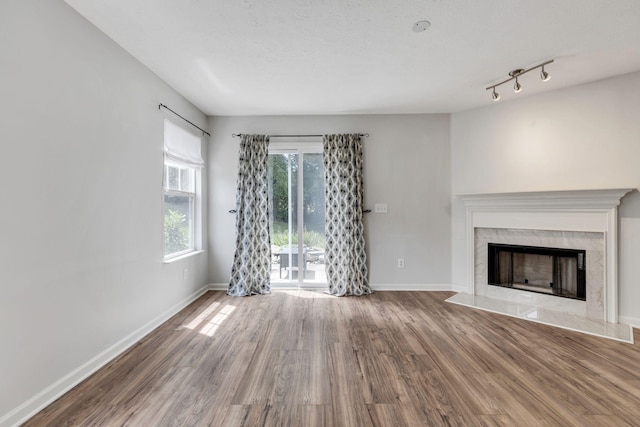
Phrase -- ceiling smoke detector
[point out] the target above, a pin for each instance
(421, 26)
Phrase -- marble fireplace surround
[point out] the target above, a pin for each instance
(577, 214)
(593, 243)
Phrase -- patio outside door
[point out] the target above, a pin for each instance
(296, 195)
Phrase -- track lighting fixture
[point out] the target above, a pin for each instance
(513, 75)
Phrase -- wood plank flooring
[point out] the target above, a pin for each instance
(298, 358)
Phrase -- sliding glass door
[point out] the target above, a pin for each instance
(296, 194)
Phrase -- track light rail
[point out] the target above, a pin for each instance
(513, 75)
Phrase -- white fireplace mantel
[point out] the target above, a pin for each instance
(575, 210)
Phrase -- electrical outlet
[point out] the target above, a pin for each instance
(185, 274)
(400, 262)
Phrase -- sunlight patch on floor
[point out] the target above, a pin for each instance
(210, 328)
(303, 293)
(202, 316)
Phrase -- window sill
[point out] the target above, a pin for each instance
(181, 257)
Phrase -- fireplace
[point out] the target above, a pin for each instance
(554, 271)
(585, 219)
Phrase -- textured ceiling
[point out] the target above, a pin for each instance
(260, 57)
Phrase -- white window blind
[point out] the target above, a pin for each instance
(182, 146)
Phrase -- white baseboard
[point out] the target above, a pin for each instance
(374, 286)
(459, 288)
(409, 287)
(47, 396)
(627, 320)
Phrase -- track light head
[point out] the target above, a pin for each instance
(495, 95)
(517, 88)
(544, 75)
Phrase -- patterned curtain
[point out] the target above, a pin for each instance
(251, 269)
(345, 256)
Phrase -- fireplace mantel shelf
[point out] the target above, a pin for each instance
(534, 200)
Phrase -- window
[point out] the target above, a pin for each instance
(179, 201)
(181, 184)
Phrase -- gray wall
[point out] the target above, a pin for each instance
(81, 267)
(406, 166)
(585, 137)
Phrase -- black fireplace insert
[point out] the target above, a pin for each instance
(553, 271)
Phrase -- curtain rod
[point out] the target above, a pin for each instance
(234, 135)
(188, 121)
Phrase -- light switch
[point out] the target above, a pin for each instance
(380, 208)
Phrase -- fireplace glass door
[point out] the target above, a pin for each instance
(552, 271)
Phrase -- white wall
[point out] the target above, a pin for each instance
(406, 166)
(81, 271)
(585, 137)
